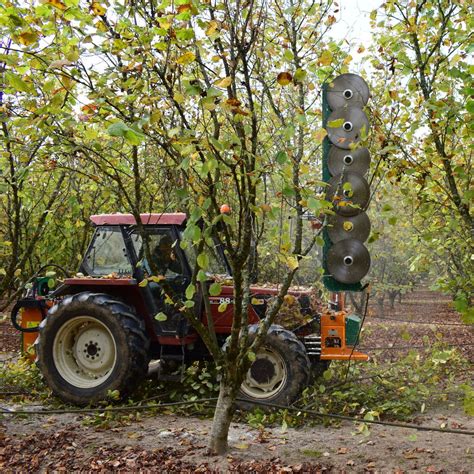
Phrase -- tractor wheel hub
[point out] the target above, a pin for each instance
(84, 352)
(262, 370)
(92, 348)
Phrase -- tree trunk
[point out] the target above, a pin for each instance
(391, 296)
(222, 418)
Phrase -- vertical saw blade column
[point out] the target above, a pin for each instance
(346, 162)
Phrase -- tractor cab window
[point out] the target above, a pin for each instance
(217, 264)
(107, 254)
(163, 255)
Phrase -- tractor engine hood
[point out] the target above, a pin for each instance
(299, 307)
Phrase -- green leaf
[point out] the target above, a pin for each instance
(392, 220)
(201, 276)
(161, 317)
(281, 157)
(190, 291)
(203, 260)
(213, 92)
(222, 307)
(184, 34)
(133, 137)
(17, 82)
(288, 55)
(117, 129)
(215, 289)
(300, 75)
(120, 129)
(336, 123)
(347, 186)
(251, 356)
(314, 204)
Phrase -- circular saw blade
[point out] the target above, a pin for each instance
(347, 89)
(348, 261)
(357, 160)
(349, 193)
(347, 126)
(349, 227)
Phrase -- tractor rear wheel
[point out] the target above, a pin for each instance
(90, 344)
(279, 373)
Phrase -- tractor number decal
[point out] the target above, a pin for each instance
(220, 301)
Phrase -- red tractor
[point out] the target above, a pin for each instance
(98, 330)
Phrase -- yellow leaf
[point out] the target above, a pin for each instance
(143, 283)
(211, 28)
(348, 226)
(155, 116)
(347, 59)
(226, 82)
(185, 8)
(215, 58)
(157, 279)
(284, 78)
(242, 446)
(336, 123)
(27, 37)
(289, 299)
(186, 58)
(178, 97)
(57, 4)
(326, 58)
(320, 134)
(101, 26)
(292, 263)
(98, 9)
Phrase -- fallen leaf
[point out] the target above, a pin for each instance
(242, 446)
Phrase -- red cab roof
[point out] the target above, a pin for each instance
(177, 218)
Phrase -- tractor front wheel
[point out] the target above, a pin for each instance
(90, 344)
(279, 373)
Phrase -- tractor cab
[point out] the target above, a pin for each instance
(117, 248)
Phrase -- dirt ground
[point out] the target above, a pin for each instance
(176, 444)
(169, 443)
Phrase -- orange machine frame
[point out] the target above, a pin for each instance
(333, 325)
(30, 317)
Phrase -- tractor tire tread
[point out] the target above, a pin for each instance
(298, 363)
(135, 339)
